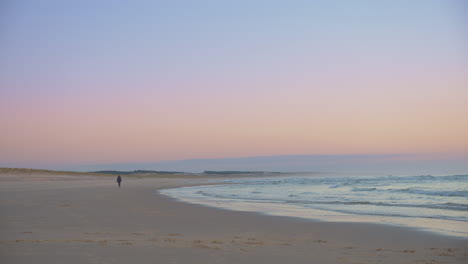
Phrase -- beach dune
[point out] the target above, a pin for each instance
(49, 217)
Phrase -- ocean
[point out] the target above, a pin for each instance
(432, 203)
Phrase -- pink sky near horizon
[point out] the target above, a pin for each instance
(372, 95)
(130, 126)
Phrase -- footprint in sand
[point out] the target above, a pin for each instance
(446, 254)
(201, 246)
(426, 261)
(254, 243)
(171, 240)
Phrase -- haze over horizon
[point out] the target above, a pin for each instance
(120, 82)
(376, 165)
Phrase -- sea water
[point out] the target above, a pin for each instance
(433, 203)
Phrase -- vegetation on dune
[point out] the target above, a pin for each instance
(115, 172)
(14, 171)
(232, 172)
(133, 174)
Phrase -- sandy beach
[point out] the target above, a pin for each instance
(81, 218)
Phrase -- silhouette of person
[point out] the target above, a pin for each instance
(119, 180)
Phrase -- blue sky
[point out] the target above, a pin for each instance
(106, 82)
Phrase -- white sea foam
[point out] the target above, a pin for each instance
(436, 203)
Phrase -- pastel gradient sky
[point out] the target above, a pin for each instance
(89, 82)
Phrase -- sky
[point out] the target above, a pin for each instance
(109, 82)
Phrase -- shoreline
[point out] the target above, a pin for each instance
(89, 220)
(437, 226)
(346, 219)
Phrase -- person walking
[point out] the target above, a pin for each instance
(119, 180)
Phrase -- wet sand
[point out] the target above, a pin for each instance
(57, 218)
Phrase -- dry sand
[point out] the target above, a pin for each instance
(57, 218)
